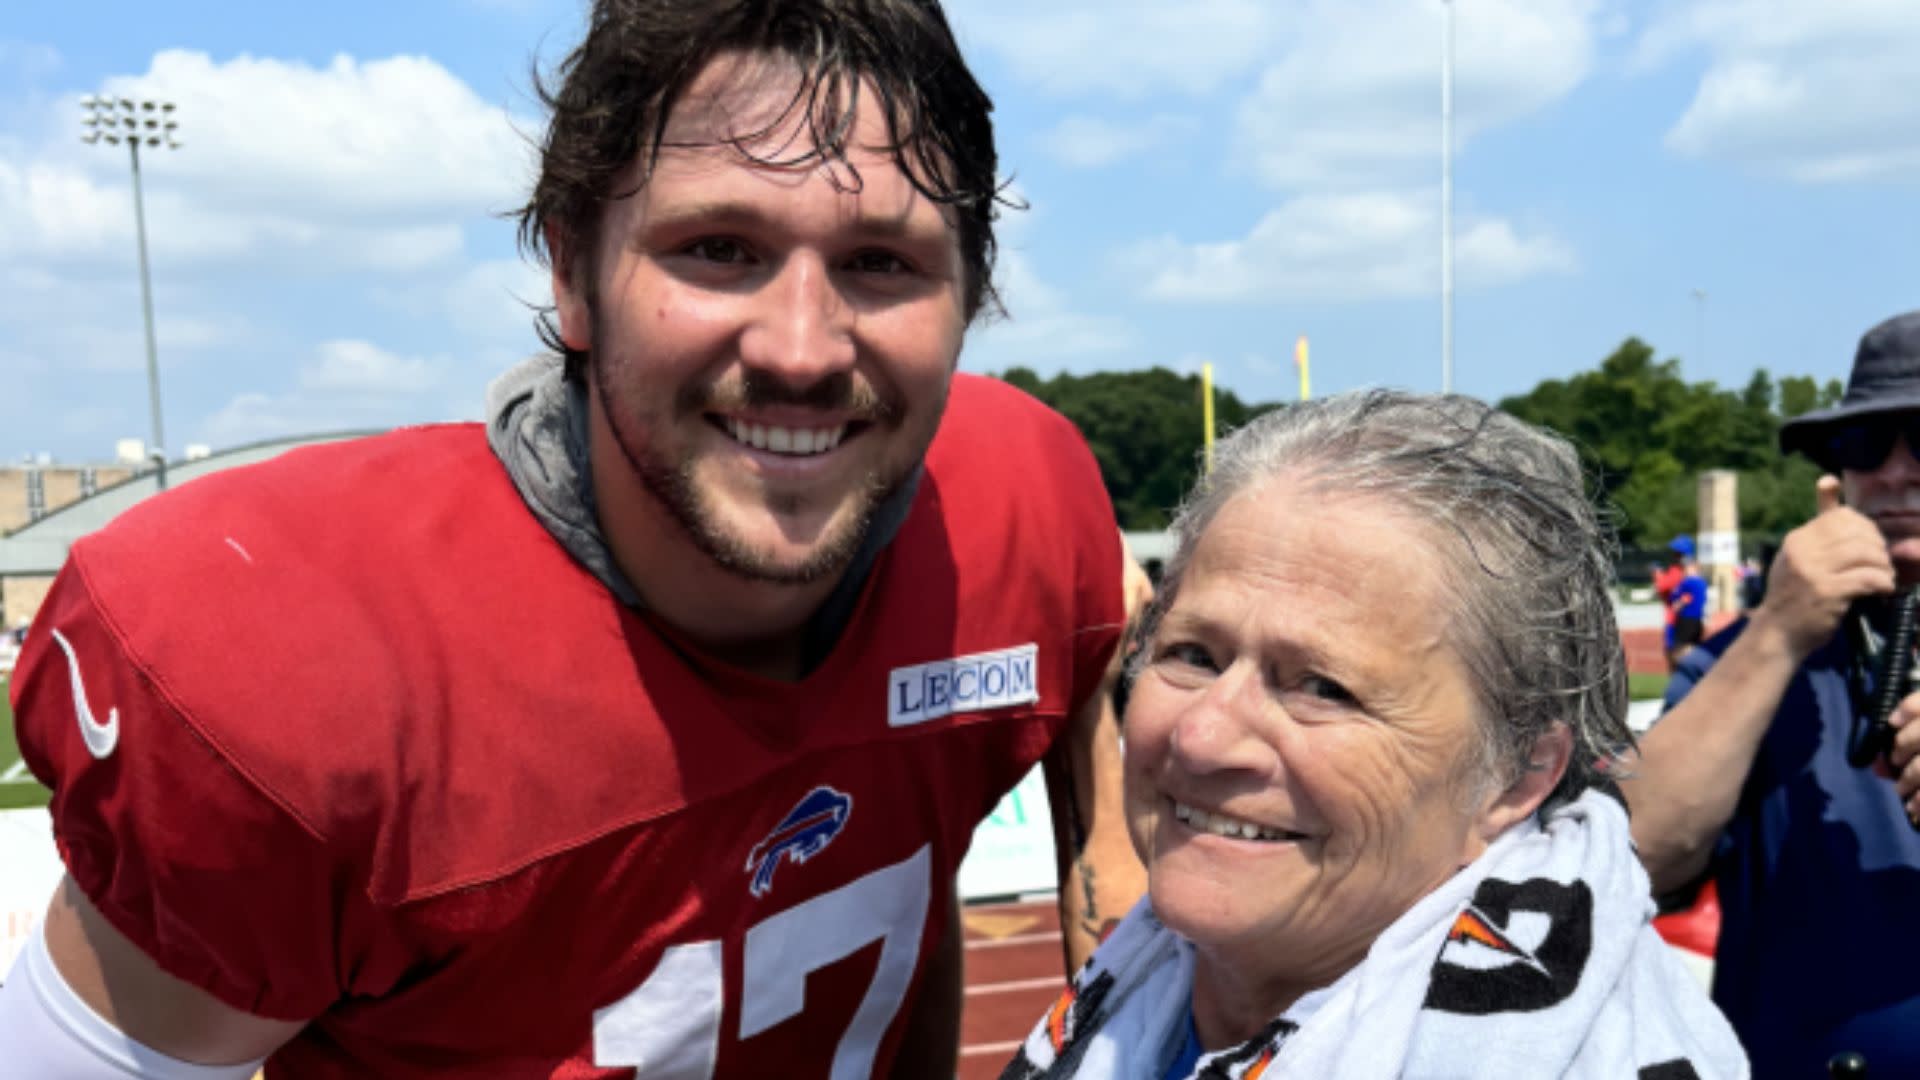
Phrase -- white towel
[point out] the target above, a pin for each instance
(1537, 960)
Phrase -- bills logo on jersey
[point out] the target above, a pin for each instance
(989, 680)
(805, 832)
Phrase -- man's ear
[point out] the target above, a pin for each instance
(570, 295)
(1545, 766)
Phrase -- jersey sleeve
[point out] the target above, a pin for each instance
(224, 887)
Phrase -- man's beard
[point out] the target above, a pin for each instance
(672, 483)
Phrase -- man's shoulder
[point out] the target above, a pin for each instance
(1000, 448)
(332, 485)
(319, 620)
(980, 407)
(302, 555)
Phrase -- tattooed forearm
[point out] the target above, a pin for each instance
(1090, 921)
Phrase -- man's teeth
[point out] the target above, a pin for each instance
(1221, 825)
(780, 440)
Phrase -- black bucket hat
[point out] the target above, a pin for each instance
(1885, 379)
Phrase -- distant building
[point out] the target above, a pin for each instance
(45, 507)
(32, 491)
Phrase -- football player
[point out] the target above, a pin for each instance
(793, 605)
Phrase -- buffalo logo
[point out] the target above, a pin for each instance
(1514, 948)
(805, 832)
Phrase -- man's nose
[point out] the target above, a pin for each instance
(801, 326)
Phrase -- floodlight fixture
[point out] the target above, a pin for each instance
(99, 123)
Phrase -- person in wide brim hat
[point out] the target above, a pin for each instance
(1885, 380)
(1786, 764)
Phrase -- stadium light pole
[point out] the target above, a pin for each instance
(117, 120)
(1446, 198)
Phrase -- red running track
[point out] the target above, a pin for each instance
(1015, 970)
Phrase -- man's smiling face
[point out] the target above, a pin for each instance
(771, 344)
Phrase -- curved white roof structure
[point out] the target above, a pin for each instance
(40, 547)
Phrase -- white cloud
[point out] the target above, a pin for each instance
(356, 165)
(1347, 91)
(394, 137)
(1345, 247)
(252, 416)
(291, 177)
(1354, 97)
(1342, 117)
(95, 325)
(346, 385)
(360, 367)
(491, 300)
(1044, 330)
(1124, 48)
(1825, 92)
(1091, 142)
(46, 207)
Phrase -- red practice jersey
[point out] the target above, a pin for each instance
(349, 736)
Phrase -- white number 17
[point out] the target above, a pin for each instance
(669, 1028)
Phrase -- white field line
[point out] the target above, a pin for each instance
(1015, 986)
(997, 1049)
(1015, 941)
(16, 774)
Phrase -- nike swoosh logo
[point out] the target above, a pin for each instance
(101, 738)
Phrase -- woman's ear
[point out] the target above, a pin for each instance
(1545, 766)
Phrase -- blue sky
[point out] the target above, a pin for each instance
(1208, 181)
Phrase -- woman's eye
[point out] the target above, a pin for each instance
(1187, 653)
(1326, 689)
(717, 249)
(878, 262)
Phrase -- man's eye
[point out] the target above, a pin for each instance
(878, 262)
(718, 249)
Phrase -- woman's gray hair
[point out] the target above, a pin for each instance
(1532, 569)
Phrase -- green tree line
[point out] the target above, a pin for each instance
(1644, 433)
(1145, 430)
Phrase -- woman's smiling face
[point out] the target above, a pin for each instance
(1302, 743)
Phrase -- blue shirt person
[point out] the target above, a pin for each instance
(1747, 775)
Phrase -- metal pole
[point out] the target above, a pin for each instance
(146, 309)
(1446, 203)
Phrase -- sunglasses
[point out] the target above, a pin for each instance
(1864, 447)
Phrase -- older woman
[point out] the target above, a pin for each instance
(1365, 745)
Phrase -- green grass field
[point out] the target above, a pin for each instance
(1646, 687)
(17, 786)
